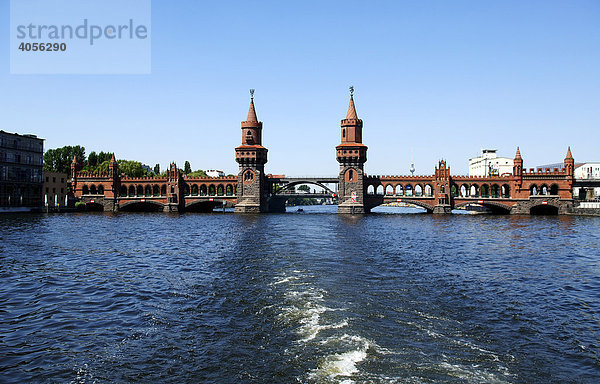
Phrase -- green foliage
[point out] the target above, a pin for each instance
(59, 159)
(132, 168)
(198, 173)
(157, 169)
(187, 168)
(304, 188)
(80, 206)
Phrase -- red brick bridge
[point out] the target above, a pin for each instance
(253, 191)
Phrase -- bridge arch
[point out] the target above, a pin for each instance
(141, 206)
(544, 208)
(288, 186)
(494, 206)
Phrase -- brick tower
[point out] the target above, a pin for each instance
(351, 154)
(251, 156)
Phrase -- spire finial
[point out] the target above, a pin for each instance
(351, 90)
(252, 93)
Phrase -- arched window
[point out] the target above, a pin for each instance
(418, 190)
(85, 190)
(544, 190)
(389, 190)
(249, 175)
(474, 191)
(380, 189)
(139, 190)
(229, 190)
(163, 190)
(505, 191)
(533, 190)
(463, 191)
(485, 191)
(212, 190)
(370, 190)
(428, 190)
(195, 190)
(495, 191)
(220, 190)
(155, 190)
(351, 175)
(203, 191)
(399, 190)
(93, 190)
(554, 189)
(101, 190)
(408, 190)
(123, 191)
(131, 191)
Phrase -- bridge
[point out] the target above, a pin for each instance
(254, 191)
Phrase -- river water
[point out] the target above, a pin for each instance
(308, 297)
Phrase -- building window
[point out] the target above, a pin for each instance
(47, 179)
(54, 179)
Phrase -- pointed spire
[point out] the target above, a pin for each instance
(252, 111)
(112, 159)
(351, 114)
(569, 155)
(518, 155)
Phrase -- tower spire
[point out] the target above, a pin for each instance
(569, 155)
(518, 154)
(351, 114)
(252, 111)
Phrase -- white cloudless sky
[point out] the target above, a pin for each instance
(434, 80)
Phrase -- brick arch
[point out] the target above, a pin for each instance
(489, 204)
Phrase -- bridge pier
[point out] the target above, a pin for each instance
(442, 209)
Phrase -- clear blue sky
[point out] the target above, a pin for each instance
(440, 79)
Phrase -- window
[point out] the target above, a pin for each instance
(62, 180)
(54, 179)
(47, 179)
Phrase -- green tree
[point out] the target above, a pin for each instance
(59, 159)
(93, 159)
(157, 169)
(198, 173)
(304, 188)
(132, 168)
(187, 168)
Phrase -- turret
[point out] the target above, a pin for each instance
(251, 128)
(569, 163)
(518, 164)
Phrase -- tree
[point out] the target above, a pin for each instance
(187, 168)
(93, 159)
(198, 173)
(59, 159)
(132, 168)
(304, 188)
(157, 169)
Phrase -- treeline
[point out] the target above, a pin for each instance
(59, 160)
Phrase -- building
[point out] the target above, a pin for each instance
(55, 189)
(587, 171)
(587, 181)
(489, 164)
(21, 181)
(215, 173)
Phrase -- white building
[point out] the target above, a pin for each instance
(489, 164)
(215, 173)
(589, 172)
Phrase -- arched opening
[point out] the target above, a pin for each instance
(123, 191)
(85, 190)
(195, 190)
(139, 190)
(229, 190)
(93, 190)
(155, 191)
(203, 190)
(418, 190)
(495, 191)
(389, 190)
(453, 190)
(203, 206)
(544, 190)
(408, 190)
(131, 191)
(399, 190)
(485, 191)
(554, 189)
(163, 190)
(582, 195)
(474, 192)
(428, 190)
(94, 207)
(463, 191)
(220, 190)
(533, 190)
(148, 191)
(186, 190)
(505, 191)
(380, 189)
(546, 209)
(212, 191)
(101, 190)
(370, 190)
(141, 207)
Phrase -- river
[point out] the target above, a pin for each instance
(310, 297)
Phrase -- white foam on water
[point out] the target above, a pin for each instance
(285, 280)
(344, 364)
(472, 374)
